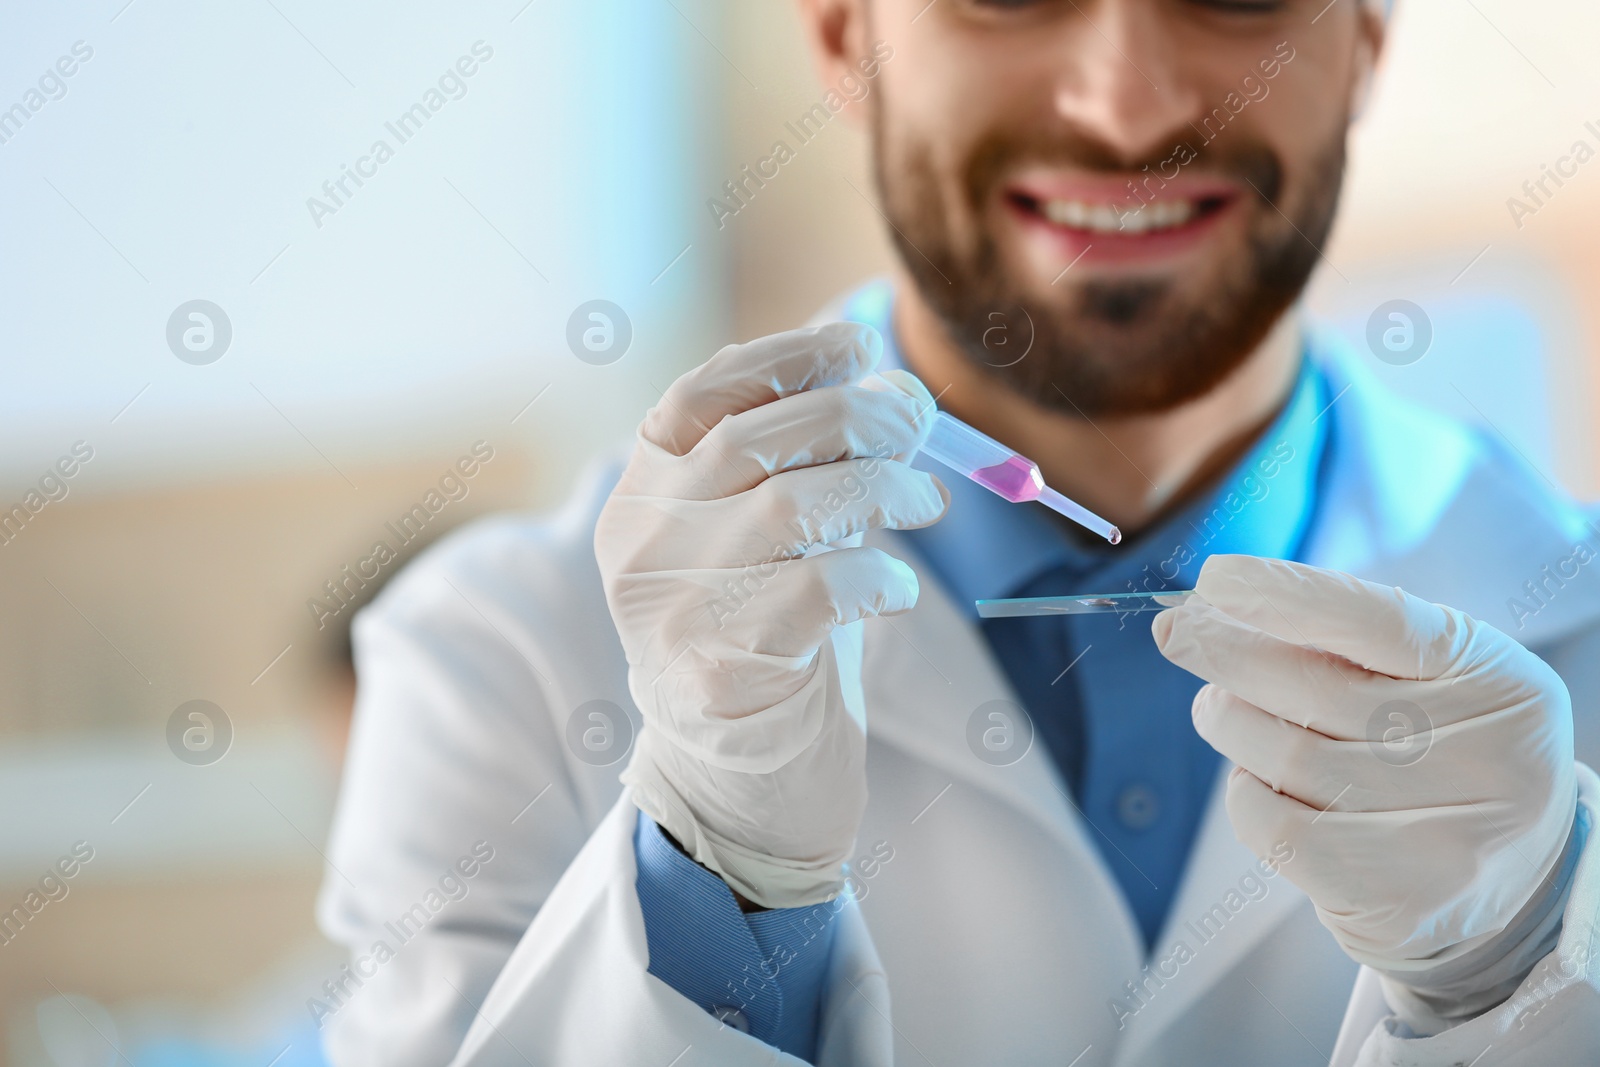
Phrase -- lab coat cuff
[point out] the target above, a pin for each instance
(762, 972)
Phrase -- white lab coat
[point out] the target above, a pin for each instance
(994, 934)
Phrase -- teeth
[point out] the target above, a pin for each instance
(1066, 213)
(1109, 218)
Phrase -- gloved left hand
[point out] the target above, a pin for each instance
(1419, 762)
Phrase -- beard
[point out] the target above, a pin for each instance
(1101, 347)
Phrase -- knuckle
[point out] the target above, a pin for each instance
(724, 357)
(897, 412)
(802, 518)
(814, 589)
(715, 444)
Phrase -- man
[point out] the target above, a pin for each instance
(860, 826)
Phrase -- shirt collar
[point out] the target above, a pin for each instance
(985, 547)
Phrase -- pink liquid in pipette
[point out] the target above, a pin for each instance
(1017, 479)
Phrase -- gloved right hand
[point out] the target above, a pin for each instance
(1417, 762)
(730, 554)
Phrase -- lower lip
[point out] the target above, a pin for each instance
(1121, 247)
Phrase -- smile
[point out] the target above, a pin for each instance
(1101, 218)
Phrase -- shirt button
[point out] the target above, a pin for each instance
(1137, 807)
(731, 1016)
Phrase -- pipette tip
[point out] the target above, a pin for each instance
(1079, 514)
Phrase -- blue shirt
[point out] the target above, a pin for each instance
(1110, 708)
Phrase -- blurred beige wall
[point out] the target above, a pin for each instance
(136, 603)
(204, 591)
(813, 231)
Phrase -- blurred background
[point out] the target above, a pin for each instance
(251, 390)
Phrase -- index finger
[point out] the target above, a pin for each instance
(1379, 627)
(1290, 680)
(741, 377)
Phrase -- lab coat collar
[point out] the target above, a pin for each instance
(1449, 512)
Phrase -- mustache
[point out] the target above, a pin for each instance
(1228, 154)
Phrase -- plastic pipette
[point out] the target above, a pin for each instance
(1003, 471)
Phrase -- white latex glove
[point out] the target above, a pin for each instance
(741, 628)
(1418, 761)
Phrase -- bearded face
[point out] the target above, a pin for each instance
(1137, 269)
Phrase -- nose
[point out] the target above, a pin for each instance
(1122, 84)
